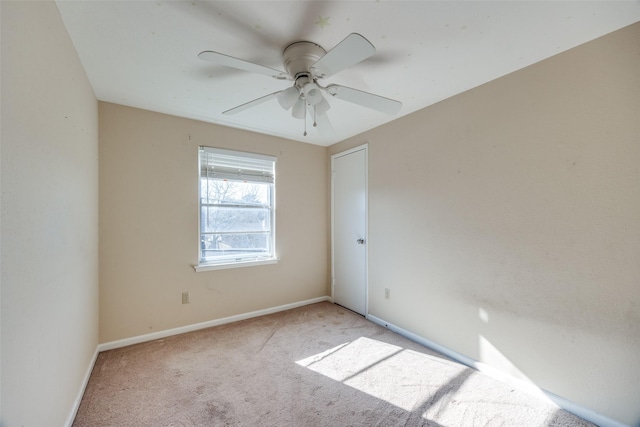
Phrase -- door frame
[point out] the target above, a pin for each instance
(364, 147)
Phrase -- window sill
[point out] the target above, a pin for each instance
(208, 267)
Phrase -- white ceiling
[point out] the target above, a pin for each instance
(144, 53)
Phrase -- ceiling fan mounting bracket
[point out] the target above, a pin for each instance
(300, 56)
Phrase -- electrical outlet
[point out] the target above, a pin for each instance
(185, 298)
(387, 293)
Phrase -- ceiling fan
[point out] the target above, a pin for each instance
(306, 63)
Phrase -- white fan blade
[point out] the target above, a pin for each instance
(251, 104)
(321, 122)
(366, 99)
(322, 107)
(324, 126)
(320, 119)
(229, 61)
(299, 109)
(288, 97)
(353, 49)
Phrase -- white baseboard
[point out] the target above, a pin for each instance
(501, 376)
(83, 387)
(189, 328)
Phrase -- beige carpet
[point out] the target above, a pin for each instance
(319, 365)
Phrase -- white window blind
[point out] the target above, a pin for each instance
(217, 163)
(237, 215)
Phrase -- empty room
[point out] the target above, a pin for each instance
(310, 213)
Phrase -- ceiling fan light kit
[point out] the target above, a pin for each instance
(299, 110)
(288, 97)
(306, 62)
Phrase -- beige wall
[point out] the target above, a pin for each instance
(149, 225)
(505, 221)
(49, 228)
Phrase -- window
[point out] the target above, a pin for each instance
(236, 208)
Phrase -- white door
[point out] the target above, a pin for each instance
(349, 220)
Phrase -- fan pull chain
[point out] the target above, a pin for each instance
(315, 124)
(305, 123)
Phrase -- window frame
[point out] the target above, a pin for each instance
(245, 175)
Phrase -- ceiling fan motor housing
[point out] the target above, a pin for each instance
(300, 56)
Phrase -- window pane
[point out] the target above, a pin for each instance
(234, 219)
(214, 245)
(234, 192)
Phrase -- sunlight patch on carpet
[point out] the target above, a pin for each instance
(404, 378)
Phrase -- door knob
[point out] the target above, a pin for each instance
(360, 241)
